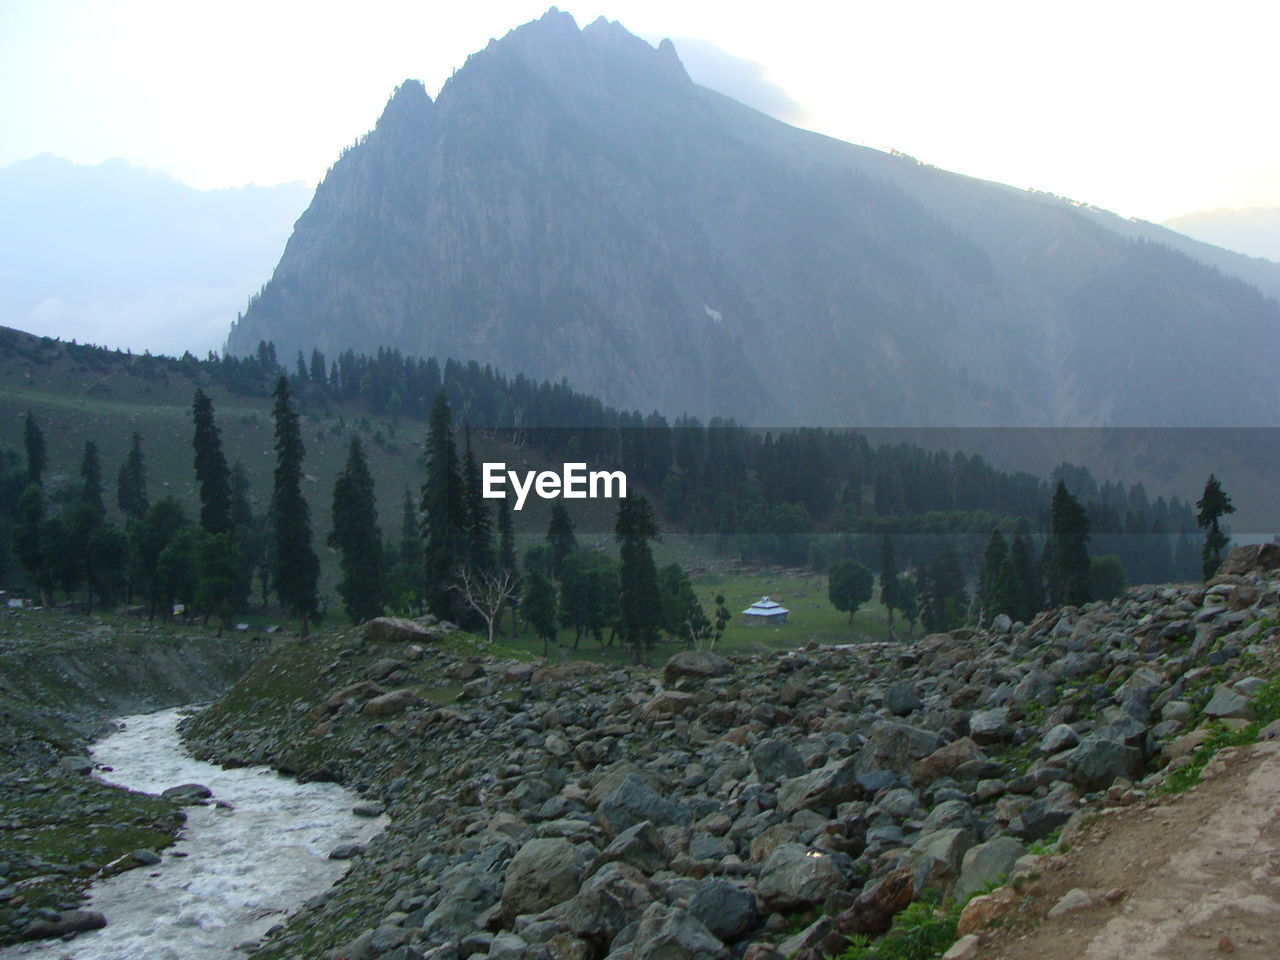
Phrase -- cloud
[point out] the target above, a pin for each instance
(744, 80)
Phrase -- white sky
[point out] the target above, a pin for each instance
(1151, 109)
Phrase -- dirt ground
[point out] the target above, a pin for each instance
(1172, 878)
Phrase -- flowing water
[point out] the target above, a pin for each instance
(246, 865)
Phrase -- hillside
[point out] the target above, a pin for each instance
(572, 205)
(775, 804)
(1254, 231)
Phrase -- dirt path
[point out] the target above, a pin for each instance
(1173, 878)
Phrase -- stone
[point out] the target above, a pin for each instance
(1260, 557)
(468, 895)
(989, 726)
(987, 863)
(1227, 703)
(346, 851)
(187, 793)
(966, 948)
(696, 665)
(1059, 738)
(724, 908)
(899, 802)
(543, 873)
(396, 630)
(609, 900)
(951, 813)
(980, 912)
(76, 765)
(675, 935)
(827, 786)
(1039, 818)
(893, 746)
(66, 922)
(145, 858)
(670, 703)
(368, 808)
(390, 704)
(901, 699)
(1071, 901)
(774, 760)
(936, 857)
(638, 846)
(1096, 762)
(795, 876)
(507, 946)
(873, 911)
(359, 692)
(633, 801)
(944, 761)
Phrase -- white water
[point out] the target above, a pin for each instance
(246, 868)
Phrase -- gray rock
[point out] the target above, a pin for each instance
(775, 760)
(936, 857)
(396, 630)
(466, 896)
(795, 876)
(1096, 762)
(638, 846)
(607, 903)
(695, 664)
(76, 765)
(633, 801)
(724, 908)
(346, 851)
(987, 863)
(187, 793)
(64, 923)
(368, 808)
(675, 935)
(1228, 704)
(830, 785)
(145, 858)
(949, 814)
(989, 726)
(507, 946)
(544, 872)
(1039, 818)
(893, 746)
(901, 699)
(1059, 738)
(900, 802)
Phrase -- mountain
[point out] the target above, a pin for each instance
(572, 205)
(126, 256)
(1254, 231)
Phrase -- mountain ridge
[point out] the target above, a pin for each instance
(572, 205)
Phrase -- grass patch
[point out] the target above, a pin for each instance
(1266, 708)
(922, 931)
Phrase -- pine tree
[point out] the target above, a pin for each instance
(538, 604)
(212, 475)
(993, 559)
(1213, 505)
(27, 545)
(357, 537)
(560, 536)
(1024, 582)
(405, 591)
(91, 478)
(888, 579)
(294, 566)
(249, 531)
(479, 522)
(444, 511)
(506, 535)
(131, 484)
(37, 455)
(640, 605)
(1069, 551)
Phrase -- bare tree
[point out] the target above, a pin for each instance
(487, 592)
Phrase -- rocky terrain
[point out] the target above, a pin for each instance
(61, 679)
(755, 807)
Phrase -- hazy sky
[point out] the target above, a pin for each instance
(1151, 109)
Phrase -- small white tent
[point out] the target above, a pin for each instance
(765, 611)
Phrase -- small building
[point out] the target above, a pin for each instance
(765, 612)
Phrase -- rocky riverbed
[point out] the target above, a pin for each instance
(754, 807)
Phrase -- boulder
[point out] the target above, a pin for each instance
(1059, 738)
(1096, 762)
(825, 787)
(669, 703)
(67, 922)
(396, 630)
(936, 857)
(361, 691)
(188, 793)
(893, 746)
(543, 873)
(633, 801)
(637, 846)
(724, 908)
(944, 761)
(989, 726)
(1259, 557)
(675, 935)
(695, 665)
(901, 699)
(795, 876)
(390, 704)
(1228, 703)
(608, 901)
(775, 760)
(987, 863)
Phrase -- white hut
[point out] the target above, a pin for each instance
(765, 612)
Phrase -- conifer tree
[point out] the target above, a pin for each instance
(212, 475)
(560, 536)
(1213, 505)
(294, 566)
(27, 545)
(444, 511)
(993, 560)
(37, 454)
(91, 478)
(539, 606)
(479, 522)
(1069, 550)
(639, 602)
(131, 484)
(506, 535)
(357, 537)
(1024, 583)
(249, 531)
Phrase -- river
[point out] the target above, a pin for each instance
(246, 866)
